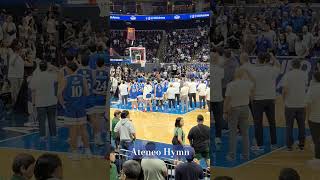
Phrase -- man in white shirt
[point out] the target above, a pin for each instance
(294, 88)
(123, 89)
(44, 98)
(217, 98)
(15, 73)
(126, 130)
(264, 77)
(176, 85)
(202, 87)
(208, 96)
(184, 97)
(171, 97)
(236, 106)
(192, 93)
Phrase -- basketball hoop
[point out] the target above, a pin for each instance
(104, 7)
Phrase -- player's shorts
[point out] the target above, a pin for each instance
(133, 99)
(90, 103)
(60, 111)
(148, 97)
(140, 96)
(75, 115)
(100, 104)
(159, 98)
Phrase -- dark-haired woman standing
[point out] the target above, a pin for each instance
(178, 132)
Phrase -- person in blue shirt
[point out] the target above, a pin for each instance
(263, 44)
(282, 46)
(72, 92)
(133, 94)
(158, 94)
(298, 21)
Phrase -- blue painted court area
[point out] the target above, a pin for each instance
(177, 110)
(218, 158)
(59, 144)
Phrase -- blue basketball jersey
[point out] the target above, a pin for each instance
(86, 72)
(159, 90)
(140, 89)
(133, 93)
(101, 82)
(165, 86)
(74, 92)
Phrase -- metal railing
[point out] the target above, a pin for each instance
(127, 155)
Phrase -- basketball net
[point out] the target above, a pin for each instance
(104, 7)
(143, 63)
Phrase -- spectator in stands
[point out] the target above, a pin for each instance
(263, 44)
(9, 30)
(114, 122)
(44, 98)
(282, 47)
(199, 138)
(16, 70)
(301, 48)
(189, 170)
(130, 170)
(153, 168)
(291, 39)
(126, 130)
(111, 157)
(23, 167)
(313, 116)
(288, 174)
(48, 167)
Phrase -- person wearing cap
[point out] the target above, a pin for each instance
(189, 170)
(199, 137)
(44, 98)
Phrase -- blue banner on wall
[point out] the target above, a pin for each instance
(167, 17)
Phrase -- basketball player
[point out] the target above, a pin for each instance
(133, 94)
(147, 96)
(158, 94)
(140, 92)
(87, 73)
(100, 90)
(72, 90)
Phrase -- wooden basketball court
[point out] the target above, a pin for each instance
(94, 168)
(159, 127)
